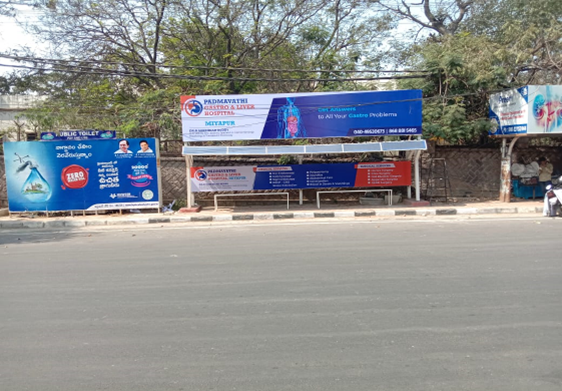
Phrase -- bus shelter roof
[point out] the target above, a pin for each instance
(383, 146)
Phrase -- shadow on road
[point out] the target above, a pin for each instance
(28, 236)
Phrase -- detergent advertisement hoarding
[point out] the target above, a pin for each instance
(82, 175)
(298, 116)
(527, 110)
(302, 176)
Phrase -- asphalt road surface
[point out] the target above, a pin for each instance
(435, 305)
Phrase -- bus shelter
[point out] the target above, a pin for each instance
(414, 147)
(529, 111)
(298, 116)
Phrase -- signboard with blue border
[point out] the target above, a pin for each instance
(299, 116)
(531, 109)
(78, 135)
(82, 175)
(305, 176)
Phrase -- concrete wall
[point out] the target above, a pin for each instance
(472, 172)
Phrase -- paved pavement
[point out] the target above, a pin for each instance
(271, 212)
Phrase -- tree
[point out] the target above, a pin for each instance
(265, 39)
(463, 71)
(444, 17)
(7, 7)
(127, 33)
(207, 46)
(479, 48)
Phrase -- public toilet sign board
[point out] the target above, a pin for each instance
(299, 116)
(78, 135)
(530, 110)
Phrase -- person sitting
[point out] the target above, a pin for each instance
(545, 173)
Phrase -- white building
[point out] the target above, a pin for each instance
(12, 106)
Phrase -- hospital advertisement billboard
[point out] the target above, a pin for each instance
(82, 175)
(302, 176)
(299, 116)
(530, 109)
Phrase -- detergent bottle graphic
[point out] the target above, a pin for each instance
(35, 188)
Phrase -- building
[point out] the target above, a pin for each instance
(12, 123)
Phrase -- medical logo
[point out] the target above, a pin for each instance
(140, 176)
(201, 175)
(495, 126)
(192, 107)
(147, 194)
(74, 177)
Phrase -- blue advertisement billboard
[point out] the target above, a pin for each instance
(305, 176)
(82, 175)
(532, 109)
(299, 116)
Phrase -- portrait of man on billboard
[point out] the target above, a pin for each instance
(123, 147)
(144, 148)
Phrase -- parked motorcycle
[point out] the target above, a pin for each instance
(553, 199)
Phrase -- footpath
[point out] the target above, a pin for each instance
(307, 212)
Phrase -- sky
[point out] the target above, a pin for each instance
(13, 36)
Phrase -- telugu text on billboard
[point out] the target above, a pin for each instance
(298, 116)
(82, 175)
(305, 176)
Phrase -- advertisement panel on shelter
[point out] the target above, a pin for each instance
(305, 176)
(527, 110)
(298, 116)
(545, 107)
(82, 175)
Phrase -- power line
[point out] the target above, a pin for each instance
(98, 71)
(60, 61)
(111, 111)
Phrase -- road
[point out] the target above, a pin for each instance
(447, 304)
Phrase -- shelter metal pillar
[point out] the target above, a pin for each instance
(416, 175)
(300, 190)
(190, 201)
(505, 179)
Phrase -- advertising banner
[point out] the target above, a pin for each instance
(297, 116)
(78, 135)
(527, 110)
(303, 176)
(82, 175)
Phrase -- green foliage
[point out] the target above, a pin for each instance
(504, 44)
(235, 47)
(463, 70)
(254, 46)
(286, 160)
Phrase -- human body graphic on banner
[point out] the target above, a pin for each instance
(289, 121)
(301, 115)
